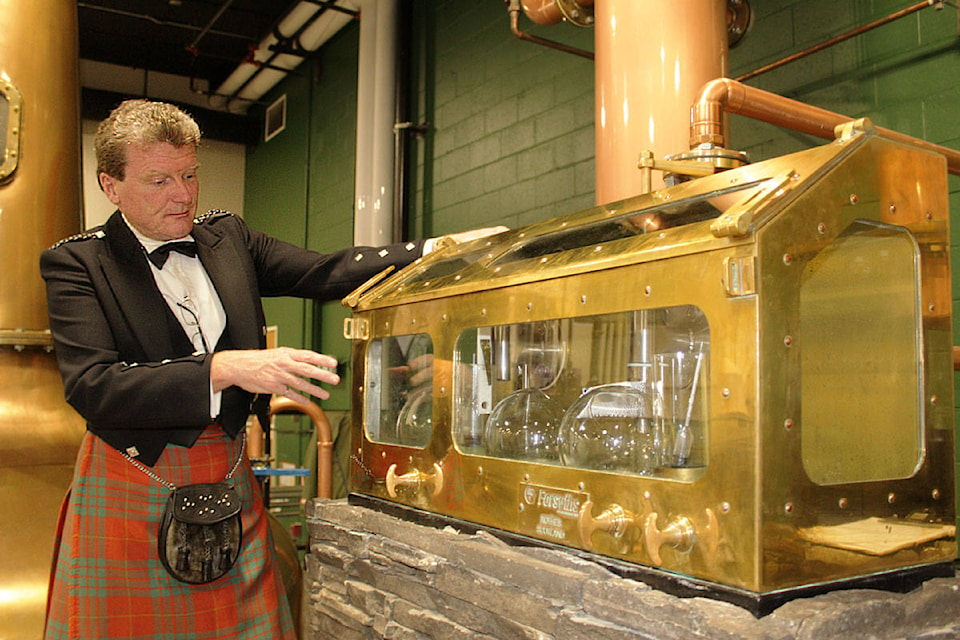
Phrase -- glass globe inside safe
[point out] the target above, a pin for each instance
(415, 422)
(611, 428)
(524, 426)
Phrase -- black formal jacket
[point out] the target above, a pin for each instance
(127, 365)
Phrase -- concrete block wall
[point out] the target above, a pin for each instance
(511, 136)
(371, 575)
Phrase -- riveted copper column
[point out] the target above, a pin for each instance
(652, 57)
(39, 204)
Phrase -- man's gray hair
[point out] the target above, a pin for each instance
(140, 122)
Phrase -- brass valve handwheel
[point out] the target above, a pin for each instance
(414, 479)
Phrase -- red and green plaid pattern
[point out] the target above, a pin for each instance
(108, 581)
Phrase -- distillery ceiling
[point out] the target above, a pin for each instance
(198, 42)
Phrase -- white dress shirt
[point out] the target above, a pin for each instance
(192, 298)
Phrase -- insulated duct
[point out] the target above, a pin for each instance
(309, 24)
(376, 100)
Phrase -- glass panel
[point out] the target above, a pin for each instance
(399, 398)
(630, 224)
(624, 392)
(861, 361)
(448, 266)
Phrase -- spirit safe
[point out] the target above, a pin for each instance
(741, 384)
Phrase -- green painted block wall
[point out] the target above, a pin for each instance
(510, 125)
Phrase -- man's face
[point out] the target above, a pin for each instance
(158, 194)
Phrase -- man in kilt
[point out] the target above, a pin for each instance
(163, 353)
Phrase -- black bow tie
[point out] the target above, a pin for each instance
(159, 255)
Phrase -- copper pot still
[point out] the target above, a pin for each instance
(40, 196)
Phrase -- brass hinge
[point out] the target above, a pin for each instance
(739, 276)
(356, 328)
(353, 299)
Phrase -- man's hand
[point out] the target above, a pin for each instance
(283, 371)
(476, 234)
(432, 244)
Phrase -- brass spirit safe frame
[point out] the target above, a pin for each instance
(738, 386)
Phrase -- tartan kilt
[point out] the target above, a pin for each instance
(108, 581)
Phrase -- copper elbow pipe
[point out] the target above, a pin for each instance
(324, 439)
(724, 95)
(513, 8)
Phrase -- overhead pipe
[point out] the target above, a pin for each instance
(724, 95)
(896, 15)
(402, 128)
(547, 12)
(314, 22)
(192, 47)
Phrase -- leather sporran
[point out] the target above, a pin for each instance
(200, 533)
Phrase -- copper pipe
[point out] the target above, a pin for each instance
(645, 83)
(514, 10)
(724, 95)
(324, 439)
(838, 39)
(545, 12)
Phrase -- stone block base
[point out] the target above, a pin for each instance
(372, 575)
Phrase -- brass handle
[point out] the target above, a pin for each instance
(614, 520)
(414, 479)
(681, 534)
